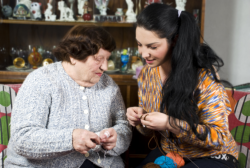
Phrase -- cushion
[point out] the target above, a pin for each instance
(7, 98)
(239, 126)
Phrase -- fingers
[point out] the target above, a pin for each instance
(109, 146)
(95, 138)
(108, 142)
(146, 123)
(108, 135)
(90, 144)
(133, 115)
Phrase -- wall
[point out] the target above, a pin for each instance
(227, 31)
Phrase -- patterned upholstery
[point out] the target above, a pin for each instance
(239, 126)
(7, 98)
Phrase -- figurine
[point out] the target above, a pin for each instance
(86, 10)
(22, 9)
(180, 4)
(35, 11)
(80, 6)
(7, 11)
(86, 7)
(66, 13)
(102, 5)
(71, 5)
(131, 16)
(48, 12)
(119, 12)
(26, 3)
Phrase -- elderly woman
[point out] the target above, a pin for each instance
(71, 114)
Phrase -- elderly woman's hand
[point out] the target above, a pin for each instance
(84, 140)
(109, 139)
(134, 114)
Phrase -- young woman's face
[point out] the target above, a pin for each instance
(152, 48)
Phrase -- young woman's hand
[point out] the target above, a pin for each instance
(134, 114)
(159, 121)
(84, 140)
(109, 139)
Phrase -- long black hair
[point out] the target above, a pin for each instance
(188, 57)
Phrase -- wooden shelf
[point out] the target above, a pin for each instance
(64, 23)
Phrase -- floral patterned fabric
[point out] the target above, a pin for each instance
(240, 129)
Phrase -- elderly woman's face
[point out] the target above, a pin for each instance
(91, 69)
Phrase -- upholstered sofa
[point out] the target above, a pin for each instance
(239, 123)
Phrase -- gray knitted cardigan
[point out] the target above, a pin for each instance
(49, 106)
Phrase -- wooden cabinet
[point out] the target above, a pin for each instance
(21, 33)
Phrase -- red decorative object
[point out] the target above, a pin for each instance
(86, 16)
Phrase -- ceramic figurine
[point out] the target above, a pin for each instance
(66, 13)
(48, 13)
(71, 2)
(26, 3)
(80, 6)
(22, 9)
(36, 11)
(7, 11)
(131, 16)
(119, 12)
(102, 5)
(86, 10)
(180, 4)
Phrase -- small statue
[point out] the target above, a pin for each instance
(22, 9)
(80, 7)
(180, 4)
(102, 5)
(48, 12)
(86, 10)
(131, 16)
(71, 5)
(86, 7)
(7, 11)
(66, 14)
(36, 11)
(26, 3)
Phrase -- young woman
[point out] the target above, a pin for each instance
(180, 94)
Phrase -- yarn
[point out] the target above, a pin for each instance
(99, 147)
(165, 162)
(177, 159)
(171, 160)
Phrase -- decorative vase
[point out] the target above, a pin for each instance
(35, 58)
(119, 12)
(86, 17)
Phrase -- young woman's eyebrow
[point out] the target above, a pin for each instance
(148, 44)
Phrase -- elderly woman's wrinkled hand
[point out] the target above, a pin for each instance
(108, 141)
(84, 140)
(134, 115)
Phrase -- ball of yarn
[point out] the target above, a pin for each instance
(177, 159)
(151, 165)
(165, 162)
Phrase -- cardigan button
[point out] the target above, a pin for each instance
(87, 154)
